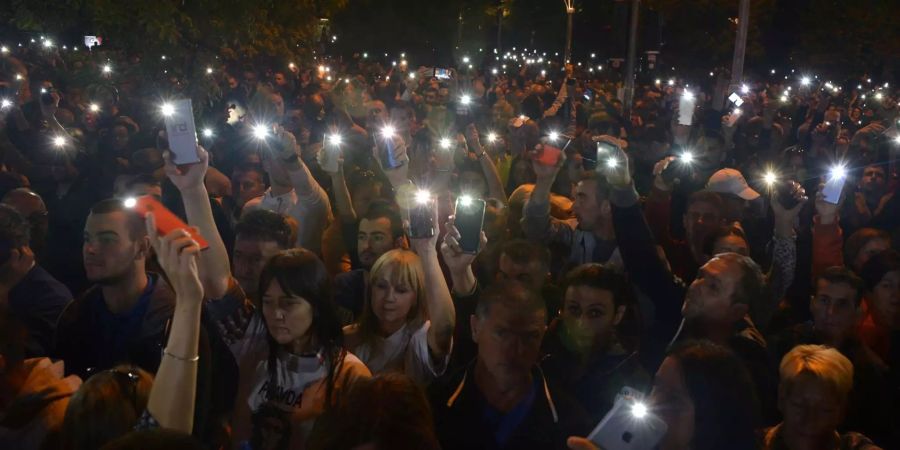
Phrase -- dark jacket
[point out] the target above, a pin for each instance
(459, 409)
(38, 300)
(648, 272)
(594, 383)
(81, 332)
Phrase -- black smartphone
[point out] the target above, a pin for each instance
(469, 222)
(788, 193)
(421, 218)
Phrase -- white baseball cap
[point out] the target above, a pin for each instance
(730, 181)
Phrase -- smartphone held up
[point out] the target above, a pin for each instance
(181, 131)
(421, 215)
(166, 220)
(629, 425)
(469, 221)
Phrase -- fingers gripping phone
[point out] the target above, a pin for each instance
(469, 222)
(182, 133)
(166, 220)
(628, 425)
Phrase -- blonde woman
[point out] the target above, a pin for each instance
(812, 397)
(408, 316)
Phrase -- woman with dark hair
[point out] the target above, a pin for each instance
(592, 345)
(881, 274)
(291, 376)
(387, 412)
(706, 397)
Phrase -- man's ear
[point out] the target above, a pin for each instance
(144, 248)
(475, 324)
(620, 314)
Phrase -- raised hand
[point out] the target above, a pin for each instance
(615, 166)
(187, 176)
(456, 260)
(177, 254)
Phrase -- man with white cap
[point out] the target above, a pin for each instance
(735, 191)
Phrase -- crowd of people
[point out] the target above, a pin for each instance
(692, 251)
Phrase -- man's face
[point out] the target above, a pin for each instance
(109, 252)
(873, 180)
(509, 341)
(834, 310)
(377, 115)
(250, 256)
(279, 79)
(589, 213)
(700, 219)
(247, 185)
(532, 274)
(709, 298)
(872, 248)
(373, 240)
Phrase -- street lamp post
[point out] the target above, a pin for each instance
(570, 11)
(632, 55)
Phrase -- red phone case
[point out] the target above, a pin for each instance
(166, 221)
(549, 156)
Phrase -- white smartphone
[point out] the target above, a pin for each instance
(628, 426)
(831, 193)
(329, 157)
(686, 105)
(181, 132)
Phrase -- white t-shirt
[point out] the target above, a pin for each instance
(404, 351)
(279, 412)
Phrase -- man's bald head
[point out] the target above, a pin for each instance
(25, 201)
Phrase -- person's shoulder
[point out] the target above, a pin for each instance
(43, 284)
(352, 337)
(253, 203)
(353, 367)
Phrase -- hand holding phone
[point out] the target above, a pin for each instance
(629, 425)
(421, 216)
(166, 220)
(469, 222)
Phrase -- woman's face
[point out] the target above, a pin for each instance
(885, 300)
(289, 318)
(671, 400)
(392, 302)
(590, 317)
(731, 244)
(811, 408)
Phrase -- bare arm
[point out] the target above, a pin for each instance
(174, 390)
(342, 193)
(491, 175)
(441, 311)
(214, 268)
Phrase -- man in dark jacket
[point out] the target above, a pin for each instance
(502, 400)
(716, 304)
(122, 318)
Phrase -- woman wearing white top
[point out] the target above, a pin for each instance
(408, 316)
(287, 383)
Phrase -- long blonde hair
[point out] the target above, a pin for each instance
(402, 266)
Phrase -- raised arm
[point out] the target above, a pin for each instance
(536, 220)
(339, 188)
(491, 175)
(440, 304)
(172, 396)
(213, 266)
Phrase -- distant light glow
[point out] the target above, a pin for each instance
(94, 107)
(387, 132)
(207, 132)
(261, 131)
(423, 196)
(130, 202)
(167, 109)
(335, 139)
(492, 137)
(770, 178)
(59, 141)
(639, 410)
(445, 143)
